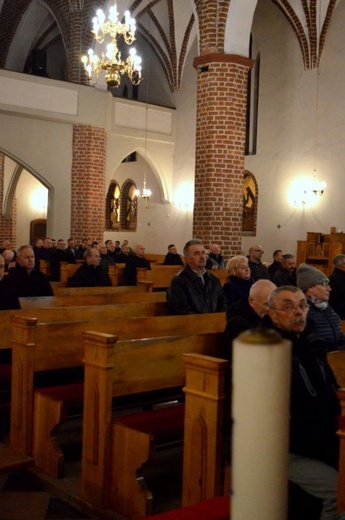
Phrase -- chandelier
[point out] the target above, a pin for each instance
(111, 62)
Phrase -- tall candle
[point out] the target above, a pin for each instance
(260, 437)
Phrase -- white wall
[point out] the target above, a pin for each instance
(33, 204)
(286, 132)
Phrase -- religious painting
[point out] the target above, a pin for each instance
(249, 215)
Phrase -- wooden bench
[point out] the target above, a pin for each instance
(37, 302)
(142, 287)
(160, 275)
(79, 313)
(51, 346)
(117, 368)
(155, 259)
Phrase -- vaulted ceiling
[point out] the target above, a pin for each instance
(169, 26)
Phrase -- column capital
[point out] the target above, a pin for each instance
(205, 59)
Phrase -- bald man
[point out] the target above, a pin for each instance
(258, 270)
(248, 312)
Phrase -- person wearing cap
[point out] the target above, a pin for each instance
(322, 320)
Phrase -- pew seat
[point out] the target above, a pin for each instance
(12, 460)
(212, 509)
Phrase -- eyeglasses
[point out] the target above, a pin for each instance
(289, 307)
(325, 283)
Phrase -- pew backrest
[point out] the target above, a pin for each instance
(68, 270)
(160, 275)
(336, 360)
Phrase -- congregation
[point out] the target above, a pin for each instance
(294, 300)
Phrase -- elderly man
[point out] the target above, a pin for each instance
(28, 280)
(314, 406)
(258, 270)
(337, 283)
(90, 273)
(136, 260)
(195, 290)
(322, 319)
(215, 259)
(286, 272)
(247, 313)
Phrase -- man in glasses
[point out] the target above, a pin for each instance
(322, 319)
(314, 406)
(258, 270)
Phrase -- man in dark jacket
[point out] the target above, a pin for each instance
(277, 258)
(61, 254)
(314, 406)
(90, 273)
(258, 270)
(27, 279)
(286, 272)
(195, 290)
(172, 257)
(337, 283)
(248, 312)
(134, 261)
(8, 291)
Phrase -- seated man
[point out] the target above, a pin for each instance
(85, 244)
(90, 273)
(8, 291)
(314, 406)
(172, 257)
(61, 254)
(10, 259)
(195, 290)
(27, 279)
(106, 258)
(134, 261)
(286, 272)
(247, 313)
(277, 258)
(337, 283)
(257, 269)
(123, 256)
(322, 320)
(111, 249)
(215, 259)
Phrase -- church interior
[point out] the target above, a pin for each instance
(228, 130)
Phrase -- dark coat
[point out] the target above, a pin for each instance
(284, 277)
(326, 324)
(314, 406)
(34, 283)
(173, 259)
(187, 293)
(60, 255)
(240, 317)
(273, 267)
(8, 294)
(236, 288)
(130, 271)
(90, 276)
(258, 271)
(337, 296)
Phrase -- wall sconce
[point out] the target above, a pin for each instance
(305, 193)
(184, 197)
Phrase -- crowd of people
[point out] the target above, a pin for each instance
(301, 303)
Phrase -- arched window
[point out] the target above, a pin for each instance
(250, 204)
(129, 205)
(113, 207)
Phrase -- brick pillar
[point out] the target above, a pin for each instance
(76, 73)
(7, 222)
(88, 182)
(220, 142)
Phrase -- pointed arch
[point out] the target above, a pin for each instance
(250, 204)
(113, 207)
(129, 205)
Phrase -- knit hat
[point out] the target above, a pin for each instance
(308, 276)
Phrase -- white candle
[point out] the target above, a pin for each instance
(260, 437)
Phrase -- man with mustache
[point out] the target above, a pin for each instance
(314, 406)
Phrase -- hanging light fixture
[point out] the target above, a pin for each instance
(146, 192)
(111, 62)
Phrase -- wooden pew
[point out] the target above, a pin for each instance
(222, 274)
(79, 313)
(206, 392)
(160, 275)
(113, 369)
(52, 346)
(92, 299)
(154, 258)
(341, 469)
(142, 287)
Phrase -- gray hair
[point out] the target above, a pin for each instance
(338, 260)
(191, 243)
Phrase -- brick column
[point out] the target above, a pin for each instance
(220, 142)
(7, 222)
(88, 182)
